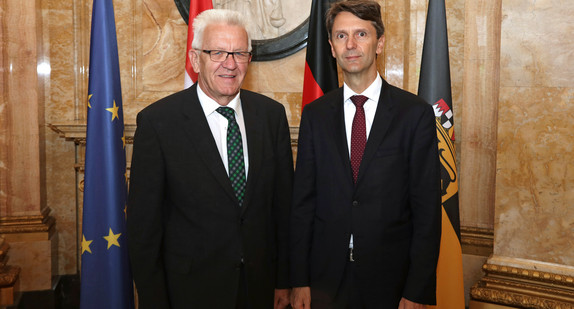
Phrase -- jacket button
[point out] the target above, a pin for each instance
(239, 264)
(355, 203)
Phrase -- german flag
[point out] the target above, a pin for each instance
(320, 66)
(435, 88)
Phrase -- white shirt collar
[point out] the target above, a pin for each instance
(209, 105)
(372, 92)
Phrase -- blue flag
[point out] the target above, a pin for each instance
(106, 278)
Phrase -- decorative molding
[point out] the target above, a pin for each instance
(477, 241)
(28, 224)
(76, 132)
(529, 274)
(524, 288)
(9, 275)
(3, 252)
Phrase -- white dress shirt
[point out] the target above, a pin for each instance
(218, 125)
(372, 93)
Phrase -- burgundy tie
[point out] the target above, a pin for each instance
(358, 134)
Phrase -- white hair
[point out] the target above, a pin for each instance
(217, 16)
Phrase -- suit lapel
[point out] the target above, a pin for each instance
(383, 117)
(199, 134)
(337, 127)
(253, 126)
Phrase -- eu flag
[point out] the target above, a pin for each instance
(106, 278)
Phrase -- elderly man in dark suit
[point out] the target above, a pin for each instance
(365, 226)
(211, 180)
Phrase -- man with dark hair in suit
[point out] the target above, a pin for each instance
(366, 216)
(211, 185)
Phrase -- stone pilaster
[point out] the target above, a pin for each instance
(25, 223)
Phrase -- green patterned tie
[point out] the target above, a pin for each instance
(236, 163)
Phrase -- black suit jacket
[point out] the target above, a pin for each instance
(393, 211)
(188, 236)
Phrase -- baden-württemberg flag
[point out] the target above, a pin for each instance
(435, 88)
(106, 278)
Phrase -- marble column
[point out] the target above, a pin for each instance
(533, 261)
(25, 221)
(478, 133)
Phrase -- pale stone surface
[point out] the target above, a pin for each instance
(22, 112)
(36, 256)
(537, 45)
(62, 102)
(535, 177)
(535, 159)
(478, 113)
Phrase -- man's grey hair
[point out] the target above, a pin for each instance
(214, 17)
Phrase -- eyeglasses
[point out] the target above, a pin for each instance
(221, 55)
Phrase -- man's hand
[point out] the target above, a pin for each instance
(301, 298)
(407, 304)
(281, 299)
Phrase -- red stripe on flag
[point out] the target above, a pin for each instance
(311, 89)
(320, 67)
(195, 7)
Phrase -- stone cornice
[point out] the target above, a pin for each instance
(28, 224)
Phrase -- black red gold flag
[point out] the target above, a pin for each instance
(320, 66)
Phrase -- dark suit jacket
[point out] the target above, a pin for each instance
(187, 233)
(393, 211)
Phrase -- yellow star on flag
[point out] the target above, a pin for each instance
(112, 239)
(89, 97)
(124, 139)
(126, 211)
(86, 245)
(114, 110)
